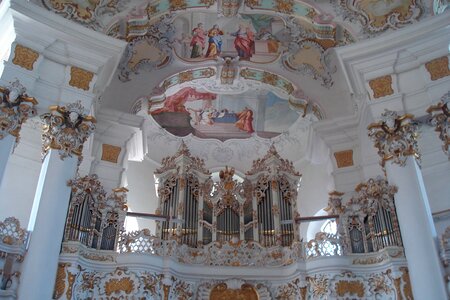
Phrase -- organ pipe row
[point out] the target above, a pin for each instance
(95, 219)
(368, 222)
(223, 207)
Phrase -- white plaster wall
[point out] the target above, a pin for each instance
(317, 182)
(21, 176)
(142, 194)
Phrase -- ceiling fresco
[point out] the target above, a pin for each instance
(292, 34)
(232, 48)
(223, 116)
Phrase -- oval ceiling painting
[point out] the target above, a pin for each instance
(209, 115)
(254, 37)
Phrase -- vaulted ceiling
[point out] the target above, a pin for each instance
(236, 50)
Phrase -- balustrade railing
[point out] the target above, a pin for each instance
(324, 244)
(12, 252)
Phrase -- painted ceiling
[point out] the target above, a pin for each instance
(244, 52)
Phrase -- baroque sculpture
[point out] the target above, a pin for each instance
(15, 108)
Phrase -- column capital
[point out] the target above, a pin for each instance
(15, 108)
(395, 137)
(65, 129)
(440, 118)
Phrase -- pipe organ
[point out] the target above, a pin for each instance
(368, 222)
(205, 208)
(95, 219)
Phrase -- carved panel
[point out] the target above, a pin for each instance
(25, 57)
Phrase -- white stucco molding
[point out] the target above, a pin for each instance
(64, 42)
(393, 53)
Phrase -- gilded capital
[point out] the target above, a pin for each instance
(395, 137)
(334, 203)
(440, 119)
(65, 129)
(15, 108)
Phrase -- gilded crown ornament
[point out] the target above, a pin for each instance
(395, 137)
(65, 129)
(15, 108)
(440, 118)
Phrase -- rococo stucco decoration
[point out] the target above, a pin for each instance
(440, 118)
(16, 107)
(395, 137)
(65, 129)
(378, 16)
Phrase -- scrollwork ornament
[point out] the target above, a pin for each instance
(440, 119)
(395, 137)
(16, 107)
(65, 129)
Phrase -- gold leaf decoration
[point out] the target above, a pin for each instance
(344, 158)
(117, 285)
(438, 68)
(80, 78)
(60, 284)
(350, 287)
(25, 57)
(221, 291)
(110, 153)
(381, 86)
(284, 6)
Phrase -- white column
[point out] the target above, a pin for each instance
(47, 221)
(6, 147)
(417, 230)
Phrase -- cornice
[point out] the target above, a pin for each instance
(392, 52)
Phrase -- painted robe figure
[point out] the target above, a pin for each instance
(214, 41)
(245, 121)
(244, 42)
(198, 41)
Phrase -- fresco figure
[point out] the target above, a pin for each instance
(198, 41)
(214, 41)
(245, 120)
(244, 42)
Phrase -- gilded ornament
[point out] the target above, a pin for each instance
(65, 129)
(60, 284)
(185, 76)
(284, 6)
(110, 153)
(80, 78)
(247, 73)
(177, 4)
(383, 15)
(25, 57)
(395, 137)
(344, 158)
(407, 289)
(252, 3)
(319, 285)
(350, 287)
(381, 86)
(114, 286)
(221, 291)
(440, 118)
(16, 107)
(270, 78)
(70, 281)
(207, 3)
(438, 68)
